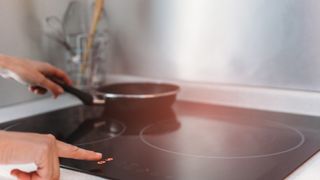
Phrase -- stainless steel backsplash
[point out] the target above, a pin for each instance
(272, 43)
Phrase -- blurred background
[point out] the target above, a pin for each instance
(264, 43)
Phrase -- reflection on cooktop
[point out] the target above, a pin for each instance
(83, 127)
(88, 132)
(136, 121)
(190, 141)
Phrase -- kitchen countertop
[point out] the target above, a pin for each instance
(309, 170)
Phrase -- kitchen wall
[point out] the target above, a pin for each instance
(268, 43)
(22, 33)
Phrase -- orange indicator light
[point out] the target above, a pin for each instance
(105, 160)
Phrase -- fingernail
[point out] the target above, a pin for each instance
(61, 91)
(98, 154)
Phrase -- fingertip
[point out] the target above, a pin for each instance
(55, 96)
(36, 91)
(19, 174)
(57, 93)
(14, 172)
(94, 156)
(60, 91)
(98, 155)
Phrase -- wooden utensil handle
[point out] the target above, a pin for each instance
(93, 28)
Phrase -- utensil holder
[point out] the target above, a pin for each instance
(94, 73)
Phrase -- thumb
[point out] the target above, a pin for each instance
(20, 175)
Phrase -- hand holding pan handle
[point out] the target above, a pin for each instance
(86, 98)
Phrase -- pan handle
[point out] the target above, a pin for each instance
(86, 98)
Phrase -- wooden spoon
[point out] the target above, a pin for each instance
(98, 9)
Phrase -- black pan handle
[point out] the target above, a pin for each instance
(86, 98)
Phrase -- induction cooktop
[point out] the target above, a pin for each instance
(188, 141)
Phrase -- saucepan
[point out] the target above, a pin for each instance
(128, 96)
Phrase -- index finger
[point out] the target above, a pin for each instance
(56, 72)
(73, 152)
(62, 75)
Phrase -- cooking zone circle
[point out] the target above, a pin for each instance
(209, 138)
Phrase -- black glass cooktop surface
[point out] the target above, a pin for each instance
(188, 141)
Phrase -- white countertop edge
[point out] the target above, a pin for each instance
(65, 174)
(308, 171)
(37, 107)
